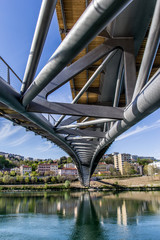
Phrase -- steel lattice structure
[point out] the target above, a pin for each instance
(121, 84)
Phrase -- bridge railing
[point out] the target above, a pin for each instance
(9, 75)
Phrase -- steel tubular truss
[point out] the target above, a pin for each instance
(85, 131)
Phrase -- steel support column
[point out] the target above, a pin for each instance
(43, 23)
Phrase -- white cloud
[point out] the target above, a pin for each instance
(20, 140)
(139, 130)
(8, 130)
(47, 146)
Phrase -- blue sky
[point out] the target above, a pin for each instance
(17, 24)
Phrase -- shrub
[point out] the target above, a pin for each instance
(67, 184)
(46, 179)
(12, 180)
(26, 179)
(1, 179)
(19, 179)
(6, 179)
(53, 180)
(33, 179)
(13, 173)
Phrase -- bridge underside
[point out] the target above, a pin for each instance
(111, 56)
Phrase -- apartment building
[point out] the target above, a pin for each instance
(44, 167)
(68, 171)
(120, 159)
(101, 167)
(25, 169)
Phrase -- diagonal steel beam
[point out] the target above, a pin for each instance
(77, 67)
(84, 62)
(76, 109)
(129, 72)
(97, 15)
(87, 123)
(90, 81)
(43, 23)
(151, 48)
(69, 120)
(78, 132)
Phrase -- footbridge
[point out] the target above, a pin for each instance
(110, 55)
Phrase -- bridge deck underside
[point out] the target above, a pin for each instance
(104, 77)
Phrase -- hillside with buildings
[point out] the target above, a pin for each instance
(111, 165)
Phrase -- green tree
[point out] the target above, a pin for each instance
(53, 180)
(59, 178)
(63, 160)
(109, 160)
(21, 179)
(113, 171)
(1, 174)
(145, 170)
(144, 161)
(127, 168)
(5, 163)
(33, 179)
(26, 179)
(69, 160)
(12, 180)
(1, 179)
(67, 184)
(12, 173)
(47, 173)
(33, 174)
(46, 179)
(34, 166)
(6, 179)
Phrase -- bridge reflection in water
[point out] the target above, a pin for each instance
(80, 215)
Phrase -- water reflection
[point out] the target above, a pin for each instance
(87, 224)
(93, 215)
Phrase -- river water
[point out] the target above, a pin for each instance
(80, 216)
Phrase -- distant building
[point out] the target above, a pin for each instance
(138, 168)
(119, 160)
(104, 172)
(29, 159)
(108, 166)
(69, 165)
(101, 167)
(115, 153)
(19, 157)
(6, 155)
(155, 164)
(2, 153)
(44, 167)
(38, 160)
(54, 168)
(16, 170)
(149, 158)
(134, 157)
(25, 169)
(68, 172)
(105, 156)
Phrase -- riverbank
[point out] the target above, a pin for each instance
(143, 183)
